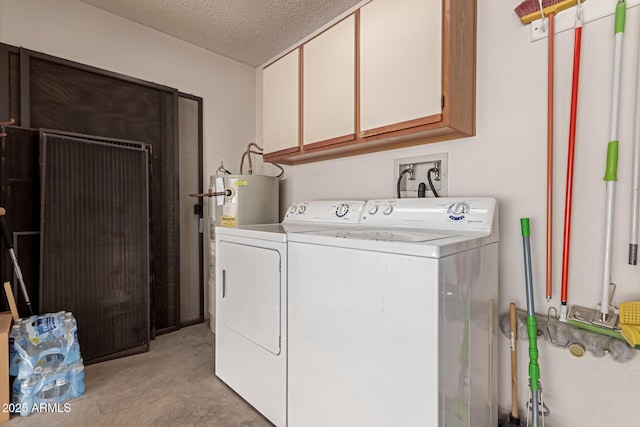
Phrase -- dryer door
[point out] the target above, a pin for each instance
(249, 295)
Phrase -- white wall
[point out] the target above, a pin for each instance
(507, 160)
(79, 32)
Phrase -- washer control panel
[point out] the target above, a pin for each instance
(441, 212)
(338, 212)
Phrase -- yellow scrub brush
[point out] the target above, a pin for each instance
(630, 322)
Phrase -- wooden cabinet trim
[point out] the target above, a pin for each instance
(286, 151)
(331, 149)
(357, 74)
(402, 139)
(333, 141)
(436, 118)
(458, 87)
(446, 56)
(300, 95)
(404, 128)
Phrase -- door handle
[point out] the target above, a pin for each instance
(224, 283)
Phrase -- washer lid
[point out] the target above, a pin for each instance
(405, 241)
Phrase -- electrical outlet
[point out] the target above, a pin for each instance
(418, 170)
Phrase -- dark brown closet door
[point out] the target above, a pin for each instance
(72, 97)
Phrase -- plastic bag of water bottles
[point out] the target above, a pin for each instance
(43, 342)
(44, 356)
(44, 392)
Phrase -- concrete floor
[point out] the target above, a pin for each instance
(171, 385)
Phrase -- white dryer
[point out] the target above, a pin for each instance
(395, 323)
(251, 301)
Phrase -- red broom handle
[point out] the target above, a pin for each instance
(572, 143)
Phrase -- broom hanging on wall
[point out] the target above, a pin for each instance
(528, 11)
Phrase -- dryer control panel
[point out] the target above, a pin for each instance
(336, 211)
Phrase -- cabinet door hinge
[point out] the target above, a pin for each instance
(442, 101)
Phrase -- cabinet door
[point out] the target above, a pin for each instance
(280, 104)
(401, 62)
(329, 84)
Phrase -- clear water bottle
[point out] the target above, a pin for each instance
(62, 386)
(47, 391)
(22, 393)
(54, 389)
(49, 362)
(77, 383)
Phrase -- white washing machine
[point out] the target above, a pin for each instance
(251, 301)
(395, 323)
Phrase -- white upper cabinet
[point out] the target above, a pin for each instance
(392, 74)
(281, 104)
(400, 61)
(329, 76)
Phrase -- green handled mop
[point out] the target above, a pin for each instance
(601, 321)
(532, 326)
(612, 156)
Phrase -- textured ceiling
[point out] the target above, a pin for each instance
(249, 31)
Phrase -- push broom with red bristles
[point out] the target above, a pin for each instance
(528, 11)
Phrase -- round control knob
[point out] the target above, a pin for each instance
(373, 209)
(459, 208)
(387, 210)
(458, 211)
(293, 209)
(302, 209)
(342, 210)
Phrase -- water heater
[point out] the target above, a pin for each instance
(250, 199)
